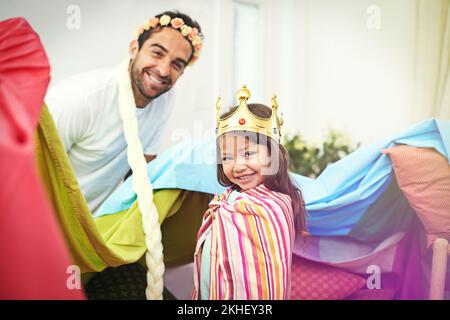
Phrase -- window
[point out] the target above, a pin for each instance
(248, 49)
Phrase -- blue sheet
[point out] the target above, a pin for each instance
(335, 201)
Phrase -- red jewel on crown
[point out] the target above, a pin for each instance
(242, 121)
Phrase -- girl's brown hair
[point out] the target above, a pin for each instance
(278, 182)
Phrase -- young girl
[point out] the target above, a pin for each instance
(244, 246)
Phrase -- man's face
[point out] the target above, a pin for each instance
(158, 65)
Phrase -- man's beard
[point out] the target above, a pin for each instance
(136, 79)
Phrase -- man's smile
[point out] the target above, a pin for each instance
(155, 80)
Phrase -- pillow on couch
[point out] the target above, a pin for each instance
(423, 174)
(317, 281)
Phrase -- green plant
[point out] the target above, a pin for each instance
(310, 160)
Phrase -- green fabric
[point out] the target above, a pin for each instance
(117, 239)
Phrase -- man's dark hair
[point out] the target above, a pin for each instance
(172, 14)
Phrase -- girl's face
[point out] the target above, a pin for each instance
(243, 161)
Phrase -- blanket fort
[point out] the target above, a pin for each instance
(357, 214)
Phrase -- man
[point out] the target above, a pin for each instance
(85, 107)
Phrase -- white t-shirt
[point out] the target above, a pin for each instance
(85, 109)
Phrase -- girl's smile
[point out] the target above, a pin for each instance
(243, 161)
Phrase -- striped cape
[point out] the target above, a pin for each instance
(251, 246)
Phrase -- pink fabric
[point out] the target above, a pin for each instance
(378, 294)
(251, 246)
(316, 281)
(423, 174)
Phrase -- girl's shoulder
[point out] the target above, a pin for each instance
(266, 203)
(260, 196)
(264, 192)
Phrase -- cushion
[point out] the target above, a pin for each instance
(317, 281)
(423, 174)
(368, 294)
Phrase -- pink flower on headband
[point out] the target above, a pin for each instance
(193, 34)
(177, 23)
(153, 22)
(193, 60)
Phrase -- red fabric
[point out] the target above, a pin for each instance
(317, 281)
(34, 256)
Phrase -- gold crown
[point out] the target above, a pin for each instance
(242, 119)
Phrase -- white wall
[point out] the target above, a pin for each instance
(357, 79)
(326, 66)
(331, 71)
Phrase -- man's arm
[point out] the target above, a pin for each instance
(148, 158)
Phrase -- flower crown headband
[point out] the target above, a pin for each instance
(190, 33)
